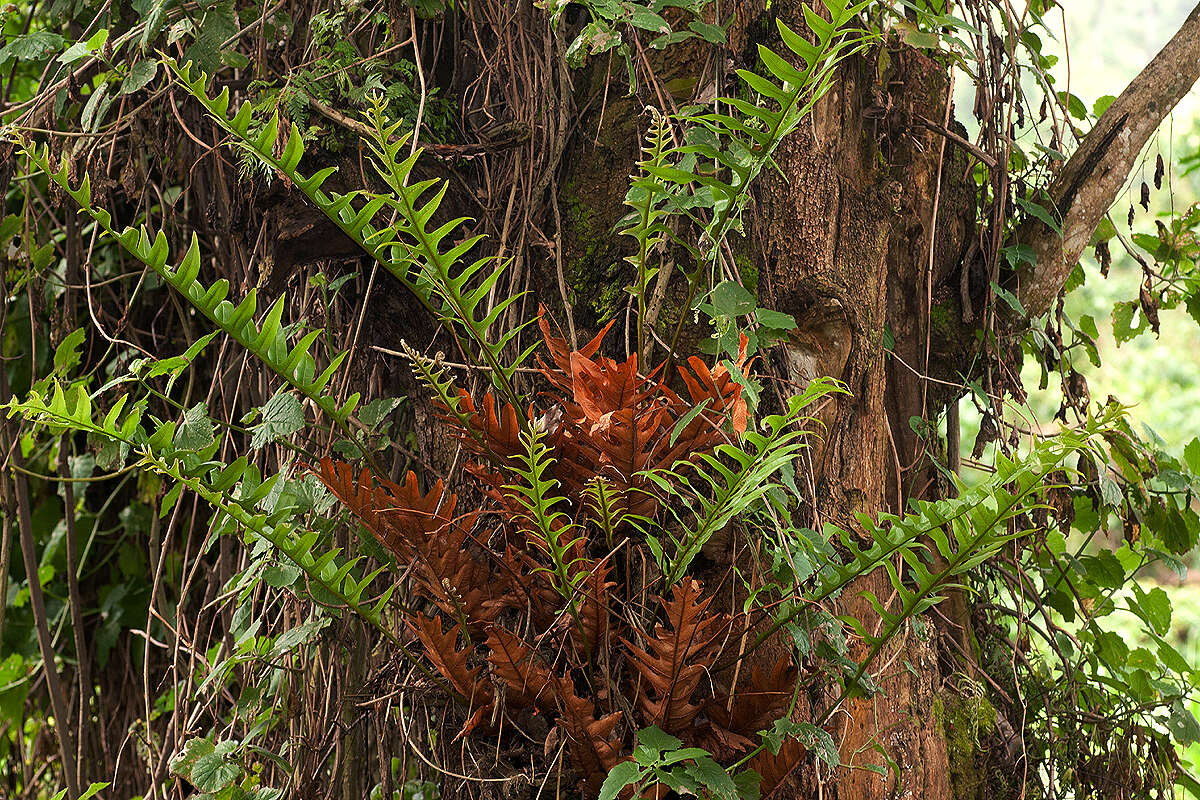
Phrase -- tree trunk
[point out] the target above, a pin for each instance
(840, 238)
(844, 235)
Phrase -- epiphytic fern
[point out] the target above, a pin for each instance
(411, 248)
(266, 339)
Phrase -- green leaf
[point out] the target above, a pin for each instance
(212, 772)
(775, 320)
(281, 576)
(376, 411)
(686, 420)
(79, 50)
(1191, 454)
(713, 34)
(644, 18)
(620, 776)
(1122, 321)
(91, 792)
(1156, 608)
(139, 75)
(1183, 725)
(282, 416)
(1104, 231)
(31, 47)
(1074, 105)
(95, 108)
(301, 634)
(188, 755)
(655, 738)
(1102, 103)
(66, 355)
(1008, 297)
(730, 299)
(711, 775)
(595, 38)
(1104, 569)
(1041, 213)
(195, 432)
(818, 739)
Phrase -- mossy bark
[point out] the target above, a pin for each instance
(860, 236)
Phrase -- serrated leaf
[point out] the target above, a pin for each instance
(213, 771)
(282, 416)
(195, 431)
(620, 776)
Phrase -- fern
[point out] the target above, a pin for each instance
(433, 376)
(732, 479)
(939, 543)
(267, 340)
(552, 531)
(646, 197)
(742, 139)
(410, 249)
(72, 409)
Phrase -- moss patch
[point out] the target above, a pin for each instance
(965, 721)
(597, 288)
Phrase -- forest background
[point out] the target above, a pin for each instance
(237, 725)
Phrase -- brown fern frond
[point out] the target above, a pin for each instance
(594, 613)
(560, 351)
(498, 428)
(594, 748)
(731, 723)
(718, 387)
(399, 516)
(527, 681)
(775, 768)
(456, 580)
(441, 648)
(421, 529)
(676, 659)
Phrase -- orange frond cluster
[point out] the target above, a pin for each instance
(502, 634)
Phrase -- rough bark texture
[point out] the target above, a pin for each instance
(845, 234)
(840, 239)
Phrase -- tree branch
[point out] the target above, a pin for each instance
(1088, 183)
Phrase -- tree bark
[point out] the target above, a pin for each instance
(851, 245)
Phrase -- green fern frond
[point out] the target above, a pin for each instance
(554, 533)
(234, 490)
(267, 340)
(647, 198)
(742, 138)
(410, 249)
(734, 478)
(605, 502)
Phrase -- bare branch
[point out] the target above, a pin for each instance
(1088, 183)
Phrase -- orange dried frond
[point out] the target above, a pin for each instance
(528, 682)
(676, 659)
(775, 768)
(441, 647)
(733, 722)
(495, 432)
(591, 740)
(594, 613)
(603, 386)
(457, 581)
(560, 351)
(399, 516)
(717, 386)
